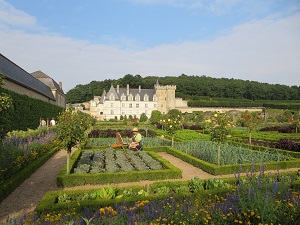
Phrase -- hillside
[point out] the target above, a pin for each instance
(193, 88)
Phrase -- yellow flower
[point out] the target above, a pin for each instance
(216, 115)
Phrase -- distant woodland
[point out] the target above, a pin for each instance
(195, 89)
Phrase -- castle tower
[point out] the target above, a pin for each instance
(165, 97)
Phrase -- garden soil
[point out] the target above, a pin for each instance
(26, 197)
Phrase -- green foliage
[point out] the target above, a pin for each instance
(220, 92)
(173, 114)
(71, 128)
(196, 185)
(155, 117)
(172, 125)
(25, 113)
(219, 127)
(143, 117)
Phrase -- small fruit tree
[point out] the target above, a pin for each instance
(71, 130)
(219, 129)
(171, 125)
(251, 121)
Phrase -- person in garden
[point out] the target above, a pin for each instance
(52, 122)
(43, 123)
(136, 140)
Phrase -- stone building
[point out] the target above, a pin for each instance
(37, 85)
(129, 101)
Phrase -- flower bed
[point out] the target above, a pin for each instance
(256, 199)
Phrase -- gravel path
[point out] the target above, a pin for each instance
(26, 197)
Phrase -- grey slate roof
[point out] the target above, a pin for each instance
(46, 80)
(16, 74)
(133, 92)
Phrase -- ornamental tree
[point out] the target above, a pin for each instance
(219, 129)
(171, 126)
(72, 130)
(251, 121)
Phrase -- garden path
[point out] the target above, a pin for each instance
(26, 197)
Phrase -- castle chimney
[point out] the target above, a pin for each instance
(118, 88)
(139, 88)
(60, 85)
(127, 89)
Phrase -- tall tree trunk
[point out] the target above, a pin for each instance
(172, 141)
(68, 160)
(250, 138)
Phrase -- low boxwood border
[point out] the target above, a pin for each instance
(65, 180)
(49, 204)
(11, 184)
(227, 169)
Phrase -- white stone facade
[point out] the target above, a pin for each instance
(125, 102)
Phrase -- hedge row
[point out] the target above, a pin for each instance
(25, 113)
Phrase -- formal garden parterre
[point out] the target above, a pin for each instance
(251, 196)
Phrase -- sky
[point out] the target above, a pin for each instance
(79, 41)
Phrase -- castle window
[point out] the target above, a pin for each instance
(137, 105)
(146, 98)
(123, 97)
(112, 97)
(123, 105)
(111, 112)
(130, 105)
(137, 98)
(154, 98)
(130, 98)
(146, 105)
(111, 105)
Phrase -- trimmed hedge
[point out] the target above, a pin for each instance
(65, 180)
(25, 113)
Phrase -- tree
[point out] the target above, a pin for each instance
(143, 117)
(71, 130)
(155, 117)
(251, 121)
(219, 131)
(173, 114)
(172, 125)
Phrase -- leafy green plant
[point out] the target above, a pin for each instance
(108, 192)
(196, 185)
(213, 183)
(162, 190)
(64, 198)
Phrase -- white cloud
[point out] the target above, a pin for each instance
(263, 50)
(14, 17)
